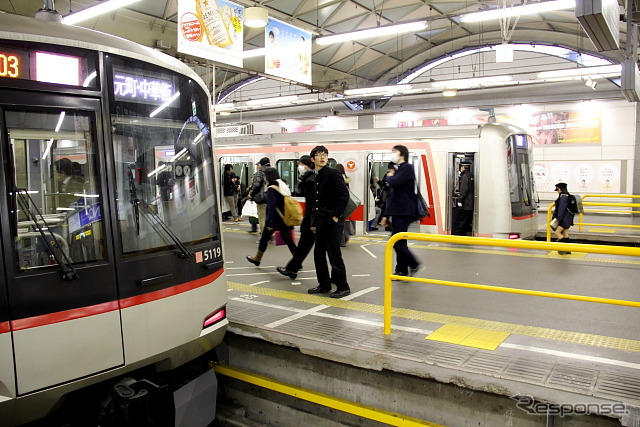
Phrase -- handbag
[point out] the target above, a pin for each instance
(423, 208)
(352, 205)
(250, 209)
(280, 241)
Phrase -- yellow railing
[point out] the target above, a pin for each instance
(581, 222)
(481, 241)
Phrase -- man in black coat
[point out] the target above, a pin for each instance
(465, 212)
(327, 221)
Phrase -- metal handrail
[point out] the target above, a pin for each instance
(610, 196)
(581, 222)
(482, 241)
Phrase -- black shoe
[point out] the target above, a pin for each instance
(252, 261)
(290, 274)
(319, 290)
(413, 271)
(374, 229)
(564, 253)
(340, 293)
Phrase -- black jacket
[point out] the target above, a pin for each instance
(332, 196)
(402, 199)
(565, 219)
(466, 190)
(259, 182)
(230, 187)
(307, 187)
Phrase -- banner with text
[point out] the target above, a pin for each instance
(211, 29)
(287, 51)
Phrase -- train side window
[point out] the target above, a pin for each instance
(166, 185)
(57, 187)
(288, 171)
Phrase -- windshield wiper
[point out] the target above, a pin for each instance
(157, 222)
(51, 242)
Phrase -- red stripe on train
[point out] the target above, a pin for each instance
(520, 218)
(78, 313)
(4, 327)
(168, 292)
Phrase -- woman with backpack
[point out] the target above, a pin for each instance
(276, 192)
(562, 216)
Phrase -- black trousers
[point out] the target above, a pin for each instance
(307, 239)
(464, 222)
(328, 235)
(286, 236)
(404, 257)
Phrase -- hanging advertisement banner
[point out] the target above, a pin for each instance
(287, 51)
(211, 29)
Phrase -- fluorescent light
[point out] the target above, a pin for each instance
(467, 83)
(449, 92)
(180, 153)
(528, 9)
(380, 90)
(92, 12)
(46, 151)
(224, 106)
(615, 69)
(165, 105)
(156, 170)
(60, 120)
(372, 32)
(270, 101)
(225, 113)
(88, 196)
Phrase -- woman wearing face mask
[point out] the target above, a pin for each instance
(401, 208)
(306, 187)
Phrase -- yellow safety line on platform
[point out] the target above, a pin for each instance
(469, 337)
(593, 340)
(343, 405)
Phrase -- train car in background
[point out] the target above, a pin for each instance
(499, 156)
(111, 245)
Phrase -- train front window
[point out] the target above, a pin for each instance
(163, 155)
(518, 166)
(56, 193)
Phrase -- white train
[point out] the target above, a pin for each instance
(499, 155)
(111, 245)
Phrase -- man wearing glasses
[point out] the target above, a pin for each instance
(327, 221)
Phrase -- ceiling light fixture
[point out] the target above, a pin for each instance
(528, 9)
(272, 101)
(224, 106)
(449, 92)
(93, 11)
(380, 90)
(256, 17)
(372, 32)
(468, 83)
(614, 69)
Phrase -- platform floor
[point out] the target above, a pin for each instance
(554, 350)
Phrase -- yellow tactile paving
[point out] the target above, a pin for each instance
(470, 337)
(593, 340)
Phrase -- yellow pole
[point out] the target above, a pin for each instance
(549, 212)
(388, 260)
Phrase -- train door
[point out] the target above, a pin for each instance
(244, 169)
(62, 292)
(288, 171)
(461, 218)
(377, 164)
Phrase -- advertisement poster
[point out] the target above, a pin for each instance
(211, 29)
(287, 51)
(563, 127)
(581, 177)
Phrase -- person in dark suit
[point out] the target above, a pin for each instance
(465, 212)
(306, 187)
(69, 185)
(327, 221)
(401, 208)
(562, 215)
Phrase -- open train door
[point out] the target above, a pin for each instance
(461, 217)
(60, 279)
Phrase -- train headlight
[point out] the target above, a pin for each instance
(514, 236)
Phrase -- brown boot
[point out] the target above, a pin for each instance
(256, 259)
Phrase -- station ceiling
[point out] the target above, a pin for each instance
(364, 63)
